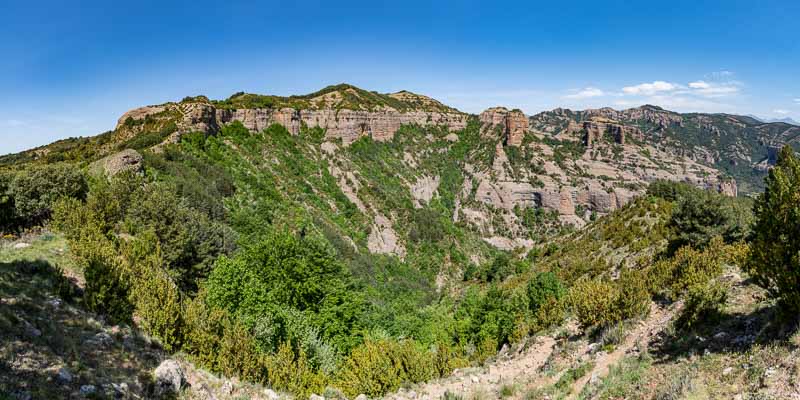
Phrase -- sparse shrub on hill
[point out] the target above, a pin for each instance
(775, 250)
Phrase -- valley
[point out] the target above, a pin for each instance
(350, 244)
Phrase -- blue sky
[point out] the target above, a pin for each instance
(71, 68)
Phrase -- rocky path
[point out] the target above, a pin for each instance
(467, 382)
(643, 332)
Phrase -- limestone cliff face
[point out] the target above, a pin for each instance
(516, 127)
(597, 128)
(514, 123)
(651, 114)
(347, 125)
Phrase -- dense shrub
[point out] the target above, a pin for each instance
(203, 185)
(107, 290)
(592, 302)
(600, 303)
(284, 272)
(290, 370)
(190, 241)
(543, 288)
(27, 196)
(704, 302)
(204, 328)
(700, 215)
(156, 298)
(634, 297)
(703, 215)
(6, 202)
(488, 319)
(688, 267)
(775, 249)
(670, 190)
(426, 226)
(380, 366)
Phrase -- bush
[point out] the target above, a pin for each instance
(290, 370)
(704, 302)
(204, 328)
(633, 299)
(380, 366)
(107, 290)
(775, 250)
(549, 314)
(190, 241)
(599, 303)
(688, 267)
(156, 298)
(670, 190)
(426, 226)
(6, 202)
(239, 355)
(592, 302)
(285, 272)
(28, 196)
(542, 288)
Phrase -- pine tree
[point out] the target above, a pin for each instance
(775, 251)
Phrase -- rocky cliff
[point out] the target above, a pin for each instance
(568, 165)
(379, 122)
(514, 123)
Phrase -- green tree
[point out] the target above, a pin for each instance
(775, 250)
(700, 215)
(34, 190)
(544, 287)
(284, 272)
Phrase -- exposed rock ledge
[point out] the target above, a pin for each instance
(347, 125)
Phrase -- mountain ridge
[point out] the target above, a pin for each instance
(739, 146)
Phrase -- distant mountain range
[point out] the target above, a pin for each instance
(785, 120)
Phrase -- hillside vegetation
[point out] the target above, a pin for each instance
(299, 263)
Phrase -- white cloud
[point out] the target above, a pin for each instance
(649, 89)
(699, 85)
(714, 89)
(585, 93)
(781, 111)
(797, 100)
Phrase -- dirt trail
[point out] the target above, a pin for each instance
(644, 331)
(517, 369)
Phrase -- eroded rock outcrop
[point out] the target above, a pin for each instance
(347, 125)
(597, 128)
(125, 160)
(728, 188)
(514, 123)
(383, 239)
